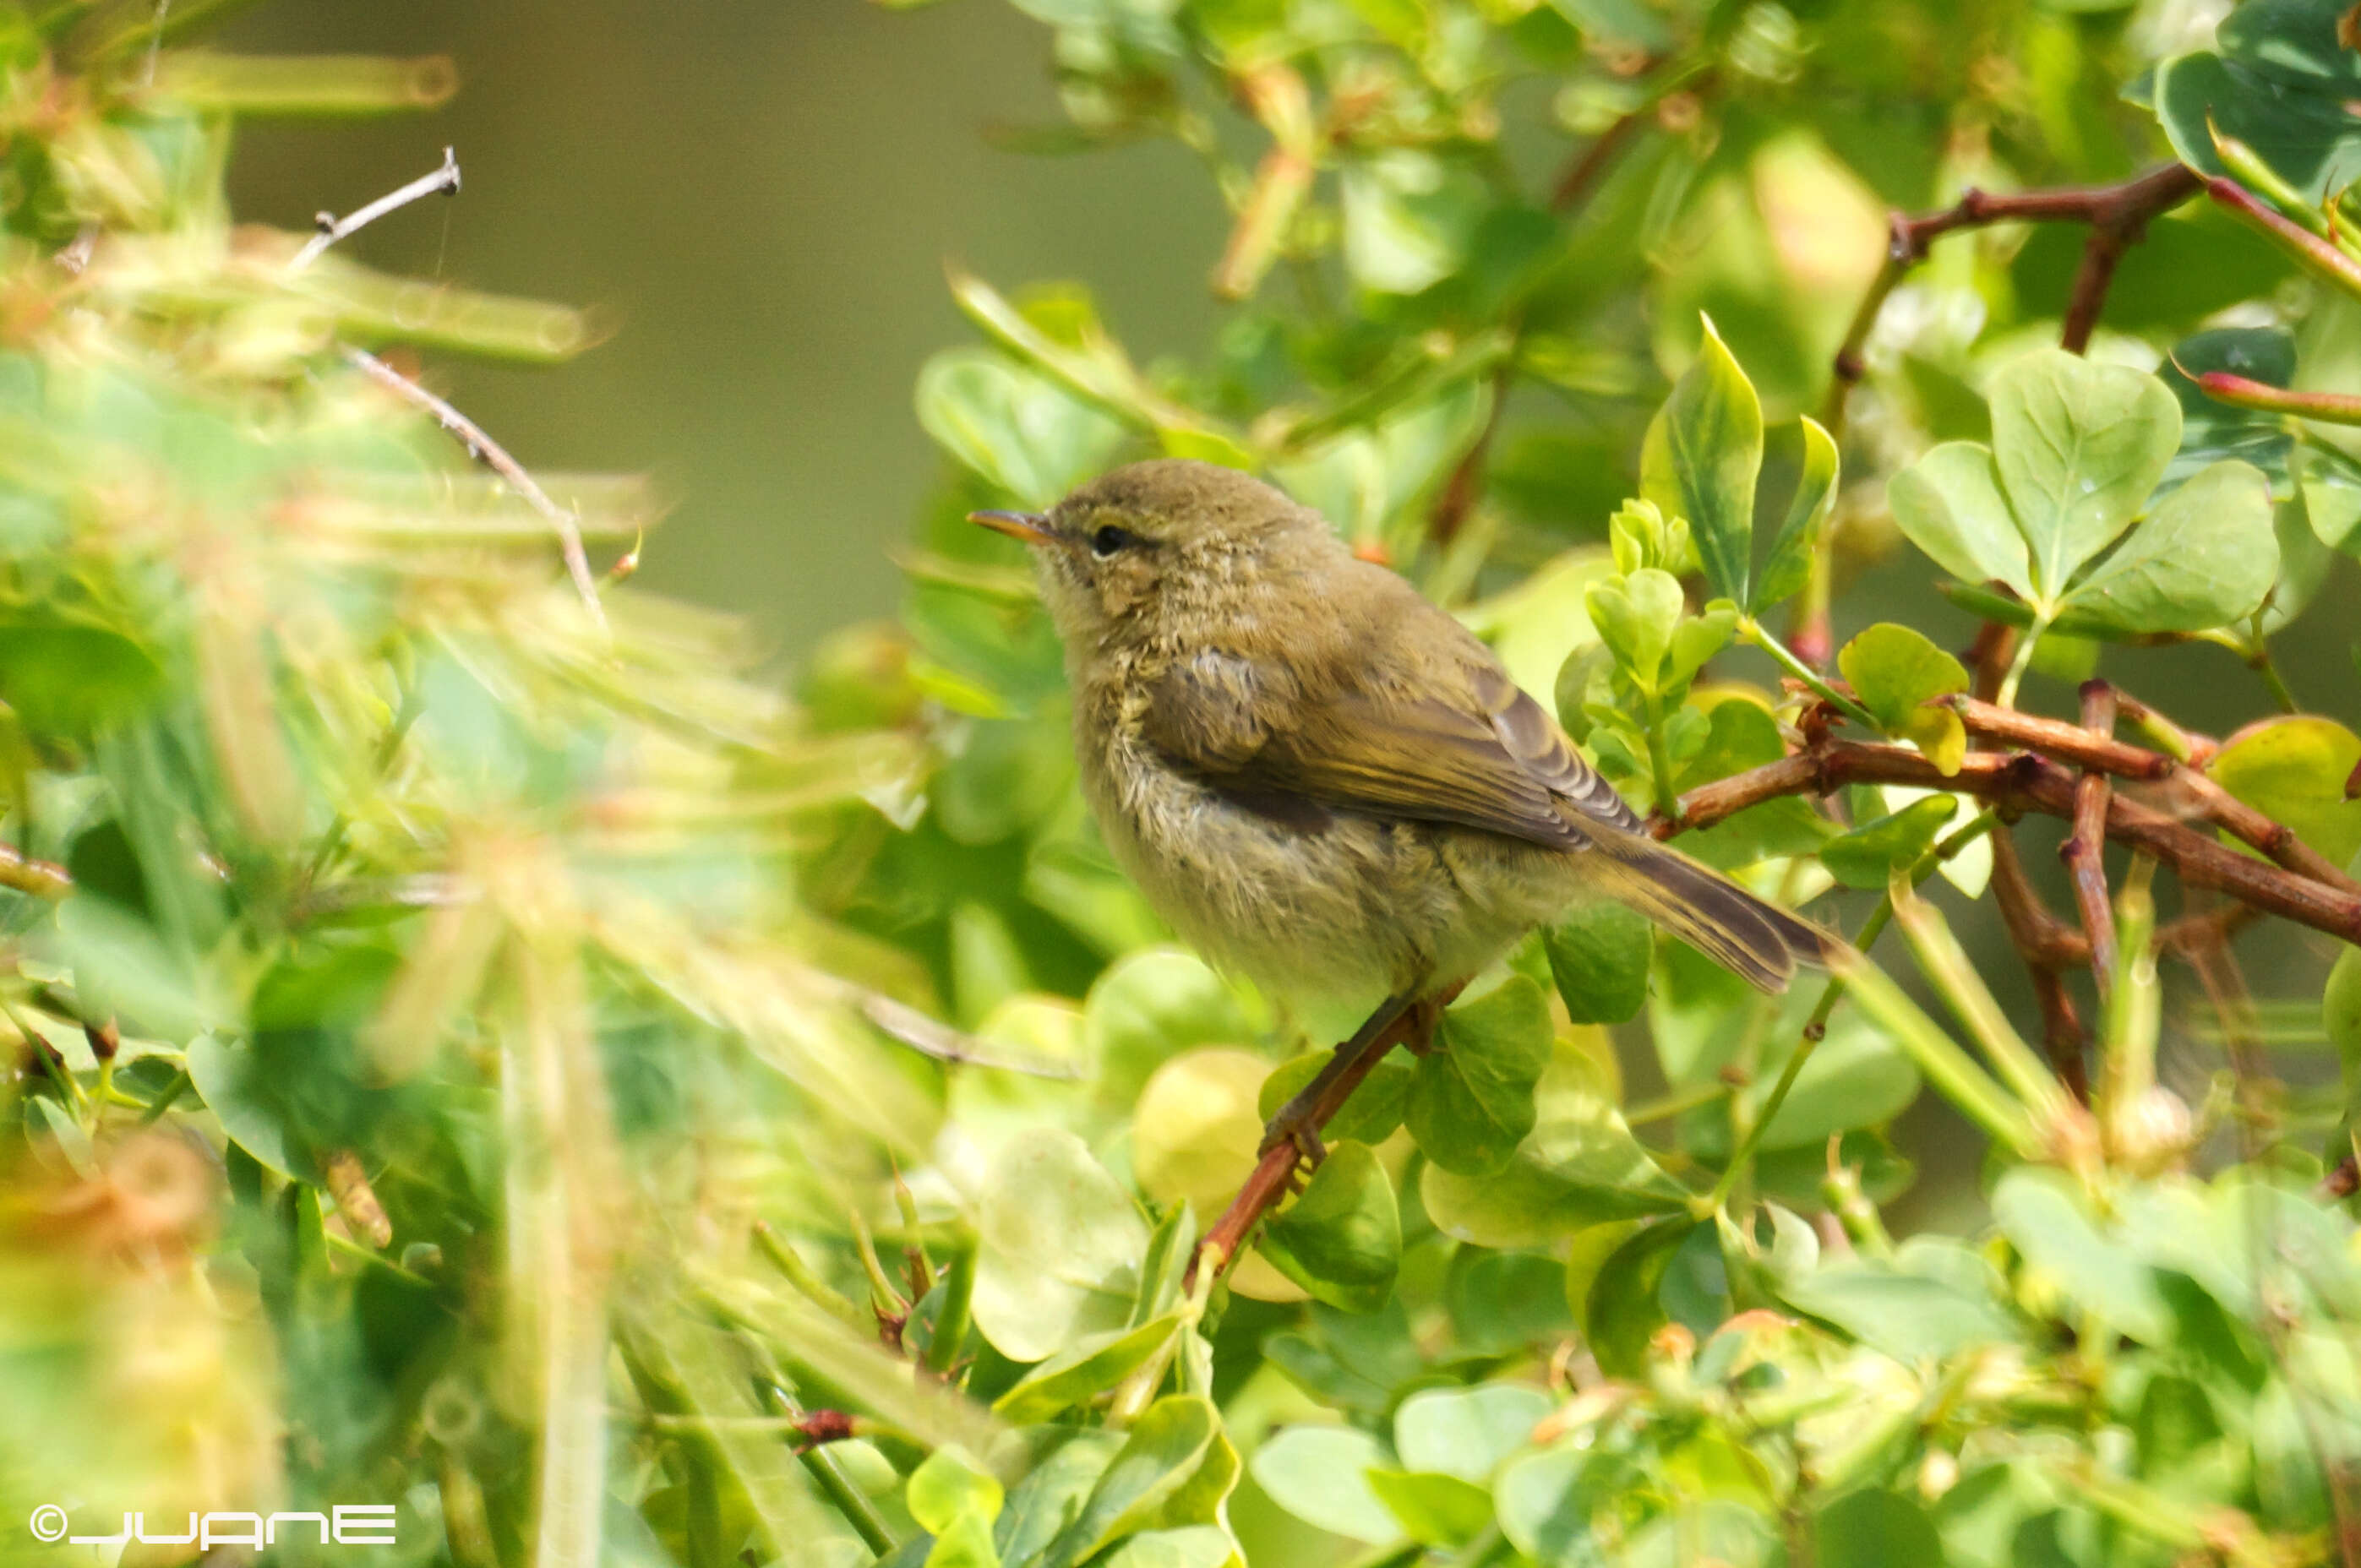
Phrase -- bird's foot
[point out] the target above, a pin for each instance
(1296, 1125)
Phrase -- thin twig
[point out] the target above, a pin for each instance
(2084, 849)
(2024, 781)
(2118, 214)
(332, 228)
(2071, 743)
(491, 454)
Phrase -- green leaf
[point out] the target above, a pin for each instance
(1562, 1506)
(2293, 770)
(1018, 429)
(1869, 855)
(1697, 640)
(1579, 1165)
(2340, 1019)
(1467, 1432)
(1859, 1076)
(1152, 1005)
(68, 677)
(948, 1483)
(1076, 1375)
(1191, 1546)
(1599, 956)
(1537, 625)
(1369, 1116)
(1434, 1511)
(1194, 1128)
(2077, 447)
(1894, 670)
(1472, 1098)
(1908, 1316)
(2205, 557)
(962, 1541)
(1702, 454)
(1948, 504)
(1159, 1457)
(1719, 1530)
(1058, 1247)
(1065, 1463)
(1409, 218)
(1342, 1239)
(1635, 616)
(2044, 1217)
(1624, 1310)
(1789, 566)
(1875, 1529)
(1321, 1475)
(2277, 80)
(2212, 430)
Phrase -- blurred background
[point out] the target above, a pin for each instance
(760, 198)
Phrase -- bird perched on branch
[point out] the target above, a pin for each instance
(1321, 780)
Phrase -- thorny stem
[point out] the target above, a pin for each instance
(495, 457)
(444, 180)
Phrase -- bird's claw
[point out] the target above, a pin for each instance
(1284, 1129)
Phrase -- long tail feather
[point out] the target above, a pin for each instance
(1758, 941)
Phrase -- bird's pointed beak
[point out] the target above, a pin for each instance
(1029, 526)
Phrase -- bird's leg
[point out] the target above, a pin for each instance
(1300, 1120)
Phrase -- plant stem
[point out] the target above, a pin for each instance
(1762, 637)
(2025, 643)
(849, 1499)
(1816, 1028)
(1659, 762)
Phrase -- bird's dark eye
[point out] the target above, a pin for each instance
(1110, 540)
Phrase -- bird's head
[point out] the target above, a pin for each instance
(1167, 543)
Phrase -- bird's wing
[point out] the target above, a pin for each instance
(1464, 747)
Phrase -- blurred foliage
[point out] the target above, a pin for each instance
(479, 1053)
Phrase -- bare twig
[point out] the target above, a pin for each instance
(2104, 755)
(2118, 214)
(332, 228)
(485, 450)
(2082, 851)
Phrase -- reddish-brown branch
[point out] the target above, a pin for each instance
(2022, 782)
(2104, 754)
(2083, 851)
(2062, 1034)
(1275, 1172)
(2118, 214)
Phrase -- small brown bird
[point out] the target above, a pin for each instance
(1321, 780)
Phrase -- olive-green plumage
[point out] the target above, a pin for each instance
(1317, 777)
